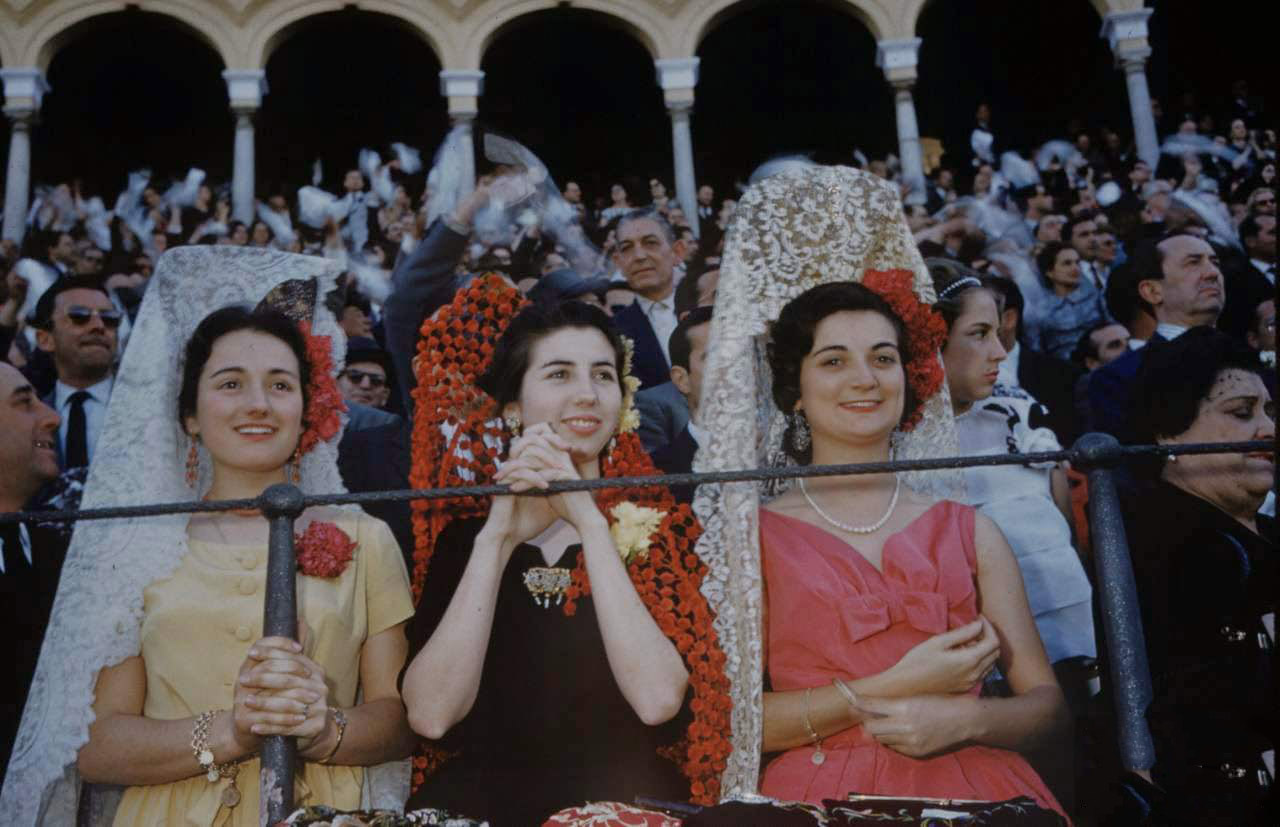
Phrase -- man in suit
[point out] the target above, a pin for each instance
(647, 252)
(377, 458)
(76, 324)
(366, 385)
(688, 348)
(31, 558)
(1180, 282)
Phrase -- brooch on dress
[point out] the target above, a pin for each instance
(544, 582)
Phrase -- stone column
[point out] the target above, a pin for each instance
(463, 88)
(245, 88)
(898, 59)
(24, 89)
(678, 77)
(1126, 31)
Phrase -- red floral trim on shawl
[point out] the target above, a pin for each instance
(325, 403)
(925, 328)
(453, 352)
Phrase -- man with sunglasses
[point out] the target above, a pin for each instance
(76, 324)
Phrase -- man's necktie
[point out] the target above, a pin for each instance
(15, 560)
(77, 453)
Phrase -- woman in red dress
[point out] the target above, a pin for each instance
(885, 609)
(859, 614)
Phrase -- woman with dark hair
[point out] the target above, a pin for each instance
(1030, 504)
(244, 399)
(1206, 567)
(561, 651)
(859, 613)
(156, 685)
(1070, 307)
(891, 699)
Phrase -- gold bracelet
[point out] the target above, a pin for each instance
(847, 692)
(818, 755)
(340, 720)
(204, 756)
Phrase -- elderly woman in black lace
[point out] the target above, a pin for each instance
(1207, 575)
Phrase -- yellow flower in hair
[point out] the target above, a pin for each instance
(632, 529)
(629, 419)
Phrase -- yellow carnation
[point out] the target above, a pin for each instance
(632, 528)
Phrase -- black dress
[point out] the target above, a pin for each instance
(1205, 582)
(549, 728)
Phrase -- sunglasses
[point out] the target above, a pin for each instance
(80, 315)
(358, 377)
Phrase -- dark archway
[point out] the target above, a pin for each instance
(340, 82)
(1041, 67)
(783, 78)
(582, 93)
(132, 90)
(1203, 52)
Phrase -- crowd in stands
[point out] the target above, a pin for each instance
(1083, 289)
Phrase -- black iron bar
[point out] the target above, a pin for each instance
(1131, 691)
(281, 504)
(745, 475)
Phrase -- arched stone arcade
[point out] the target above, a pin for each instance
(245, 34)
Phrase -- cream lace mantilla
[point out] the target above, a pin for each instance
(791, 232)
(140, 459)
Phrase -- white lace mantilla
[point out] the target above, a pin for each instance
(790, 232)
(141, 459)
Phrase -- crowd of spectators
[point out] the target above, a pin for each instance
(1095, 258)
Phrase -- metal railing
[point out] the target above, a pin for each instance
(1098, 455)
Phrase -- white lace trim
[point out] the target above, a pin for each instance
(790, 232)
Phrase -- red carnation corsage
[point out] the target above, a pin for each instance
(323, 550)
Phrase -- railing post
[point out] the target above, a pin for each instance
(1098, 454)
(281, 504)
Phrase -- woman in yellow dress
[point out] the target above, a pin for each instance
(178, 722)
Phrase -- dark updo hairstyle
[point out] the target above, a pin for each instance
(1174, 378)
(953, 282)
(1047, 259)
(233, 319)
(791, 340)
(505, 374)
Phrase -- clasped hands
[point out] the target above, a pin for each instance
(281, 691)
(931, 713)
(538, 457)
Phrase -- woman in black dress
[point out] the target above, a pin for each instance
(1208, 576)
(561, 650)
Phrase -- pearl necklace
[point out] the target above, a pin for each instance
(857, 529)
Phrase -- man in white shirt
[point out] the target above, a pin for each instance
(30, 554)
(76, 323)
(1179, 280)
(1258, 234)
(647, 253)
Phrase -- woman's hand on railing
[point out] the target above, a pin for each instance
(952, 662)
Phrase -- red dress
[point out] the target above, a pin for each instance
(832, 614)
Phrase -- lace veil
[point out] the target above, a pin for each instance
(140, 459)
(791, 231)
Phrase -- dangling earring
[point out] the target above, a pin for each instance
(800, 439)
(613, 443)
(293, 470)
(513, 424)
(193, 461)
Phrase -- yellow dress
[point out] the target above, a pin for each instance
(197, 628)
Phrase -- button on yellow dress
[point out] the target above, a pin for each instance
(197, 628)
